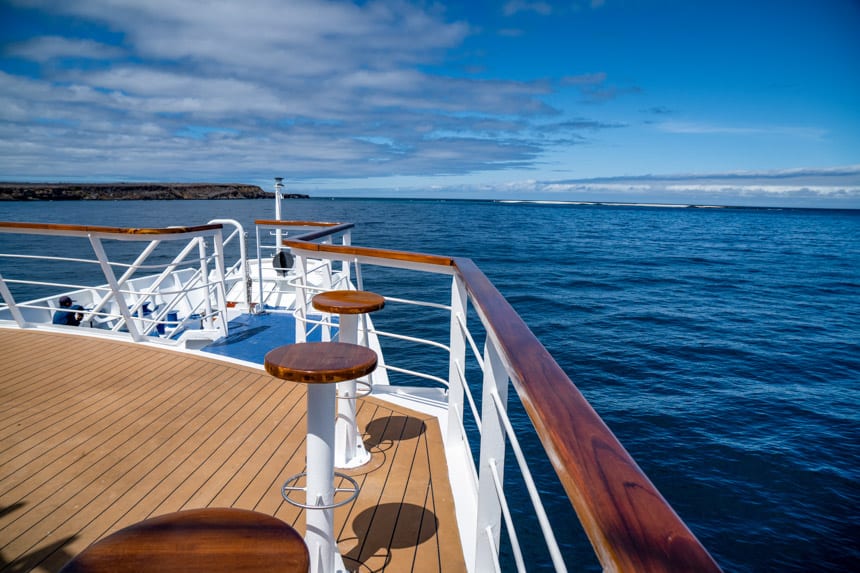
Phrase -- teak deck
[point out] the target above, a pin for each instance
(96, 435)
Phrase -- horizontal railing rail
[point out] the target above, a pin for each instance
(629, 523)
(144, 306)
(86, 230)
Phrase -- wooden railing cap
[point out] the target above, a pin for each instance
(24, 226)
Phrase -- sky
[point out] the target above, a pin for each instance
(753, 102)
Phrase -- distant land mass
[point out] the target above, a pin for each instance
(132, 191)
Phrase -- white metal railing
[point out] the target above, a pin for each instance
(239, 268)
(492, 427)
(270, 236)
(195, 280)
(146, 298)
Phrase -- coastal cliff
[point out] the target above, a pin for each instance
(131, 191)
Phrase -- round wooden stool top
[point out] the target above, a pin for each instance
(348, 301)
(320, 362)
(197, 540)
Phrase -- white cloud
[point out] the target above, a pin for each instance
(304, 86)
(703, 128)
(49, 48)
(513, 7)
(823, 190)
(837, 187)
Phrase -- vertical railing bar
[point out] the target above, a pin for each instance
(260, 269)
(509, 520)
(301, 299)
(359, 279)
(543, 520)
(204, 277)
(346, 240)
(221, 284)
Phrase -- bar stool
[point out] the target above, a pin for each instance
(320, 365)
(197, 540)
(349, 449)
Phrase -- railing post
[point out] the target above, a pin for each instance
(243, 256)
(221, 286)
(99, 250)
(207, 322)
(492, 454)
(456, 362)
(10, 302)
(261, 299)
(301, 298)
(345, 268)
(137, 303)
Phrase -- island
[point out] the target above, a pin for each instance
(133, 191)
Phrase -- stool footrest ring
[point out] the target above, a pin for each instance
(362, 390)
(288, 488)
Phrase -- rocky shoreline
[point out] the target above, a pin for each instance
(132, 191)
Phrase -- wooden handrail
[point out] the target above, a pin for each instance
(22, 227)
(279, 223)
(630, 525)
(350, 250)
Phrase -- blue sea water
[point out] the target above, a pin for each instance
(721, 346)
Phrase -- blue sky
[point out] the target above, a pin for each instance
(676, 101)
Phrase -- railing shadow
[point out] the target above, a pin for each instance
(51, 556)
(380, 530)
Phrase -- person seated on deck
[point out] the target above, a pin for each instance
(69, 316)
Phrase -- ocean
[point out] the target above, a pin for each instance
(721, 346)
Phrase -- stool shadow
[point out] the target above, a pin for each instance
(392, 429)
(385, 527)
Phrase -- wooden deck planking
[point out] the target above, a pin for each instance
(96, 435)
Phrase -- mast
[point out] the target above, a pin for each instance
(279, 186)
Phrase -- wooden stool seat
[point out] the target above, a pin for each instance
(204, 540)
(320, 362)
(348, 301)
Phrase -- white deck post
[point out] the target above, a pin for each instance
(207, 321)
(221, 287)
(459, 302)
(319, 534)
(492, 453)
(301, 299)
(345, 269)
(262, 296)
(279, 194)
(349, 450)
